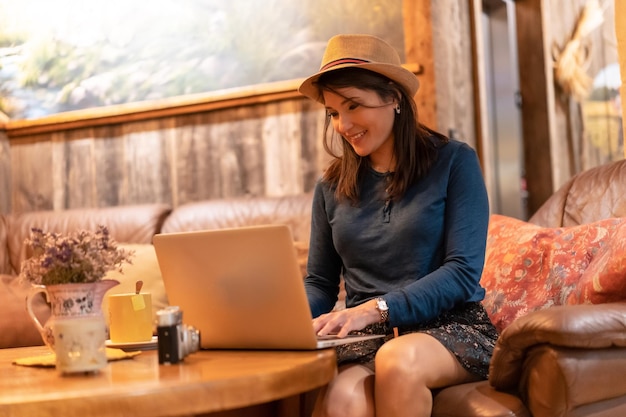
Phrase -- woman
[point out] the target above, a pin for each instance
(401, 213)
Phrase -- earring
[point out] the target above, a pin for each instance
(398, 108)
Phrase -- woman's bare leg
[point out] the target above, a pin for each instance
(350, 393)
(407, 368)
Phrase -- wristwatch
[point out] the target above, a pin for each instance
(383, 309)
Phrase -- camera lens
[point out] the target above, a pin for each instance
(191, 340)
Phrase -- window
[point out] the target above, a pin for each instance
(61, 55)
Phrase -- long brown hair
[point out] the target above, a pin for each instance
(414, 151)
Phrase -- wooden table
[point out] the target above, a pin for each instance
(255, 383)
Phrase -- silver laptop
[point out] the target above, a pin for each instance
(242, 288)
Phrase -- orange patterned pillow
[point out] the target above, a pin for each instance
(529, 267)
(605, 279)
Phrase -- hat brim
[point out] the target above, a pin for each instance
(400, 75)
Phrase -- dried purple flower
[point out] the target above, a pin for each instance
(78, 257)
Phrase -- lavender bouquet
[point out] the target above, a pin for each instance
(79, 257)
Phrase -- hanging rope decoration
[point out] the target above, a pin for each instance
(572, 62)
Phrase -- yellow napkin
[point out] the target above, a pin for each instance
(49, 359)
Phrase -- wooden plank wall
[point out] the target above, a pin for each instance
(452, 35)
(272, 149)
(620, 30)
(5, 171)
(438, 36)
(556, 140)
(572, 140)
(534, 91)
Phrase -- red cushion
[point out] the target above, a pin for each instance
(529, 267)
(605, 279)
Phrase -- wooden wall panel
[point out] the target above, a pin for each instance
(5, 172)
(145, 154)
(193, 168)
(32, 176)
(280, 137)
(575, 142)
(451, 33)
(74, 175)
(600, 141)
(620, 32)
(579, 139)
(109, 161)
(247, 150)
(438, 36)
(535, 94)
(418, 45)
(311, 130)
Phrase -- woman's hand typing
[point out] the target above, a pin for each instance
(342, 322)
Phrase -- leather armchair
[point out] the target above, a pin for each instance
(566, 360)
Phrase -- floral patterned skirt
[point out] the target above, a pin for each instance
(466, 331)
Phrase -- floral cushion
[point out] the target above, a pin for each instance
(529, 267)
(605, 279)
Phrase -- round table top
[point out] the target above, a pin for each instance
(206, 381)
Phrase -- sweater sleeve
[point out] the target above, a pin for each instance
(324, 263)
(465, 232)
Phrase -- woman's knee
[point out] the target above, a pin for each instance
(420, 359)
(350, 393)
(395, 357)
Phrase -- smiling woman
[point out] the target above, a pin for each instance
(68, 55)
(389, 216)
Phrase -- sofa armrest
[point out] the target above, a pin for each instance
(16, 327)
(564, 381)
(587, 326)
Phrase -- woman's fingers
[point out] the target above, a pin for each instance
(344, 321)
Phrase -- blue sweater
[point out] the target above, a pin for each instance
(424, 253)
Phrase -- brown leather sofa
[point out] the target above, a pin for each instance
(133, 227)
(564, 361)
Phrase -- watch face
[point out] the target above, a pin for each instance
(381, 306)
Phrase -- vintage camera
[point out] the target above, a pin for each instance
(175, 339)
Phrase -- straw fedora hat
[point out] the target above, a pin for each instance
(361, 51)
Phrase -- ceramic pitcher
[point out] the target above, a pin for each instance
(76, 330)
